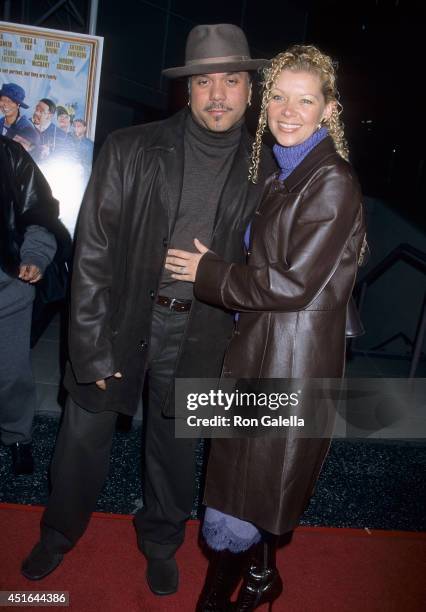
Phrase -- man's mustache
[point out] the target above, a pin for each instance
(217, 106)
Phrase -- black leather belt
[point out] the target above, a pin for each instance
(174, 304)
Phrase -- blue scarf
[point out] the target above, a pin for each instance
(290, 157)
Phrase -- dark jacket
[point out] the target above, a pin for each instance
(25, 199)
(21, 127)
(125, 224)
(293, 295)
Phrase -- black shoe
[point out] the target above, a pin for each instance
(162, 576)
(40, 562)
(22, 458)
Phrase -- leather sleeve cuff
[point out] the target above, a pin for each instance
(211, 274)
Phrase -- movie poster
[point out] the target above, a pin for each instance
(49, 82)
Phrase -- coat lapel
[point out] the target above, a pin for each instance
(171, 162)
(239, 198)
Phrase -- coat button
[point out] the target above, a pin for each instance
(165, 242)
(143, 344)
(152, 294)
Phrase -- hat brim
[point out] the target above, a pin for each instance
(193, 69)
(7, 94)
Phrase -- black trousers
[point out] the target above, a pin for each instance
(81, 459)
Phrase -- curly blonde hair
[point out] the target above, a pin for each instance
(301, 58)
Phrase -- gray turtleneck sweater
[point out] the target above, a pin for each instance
(208, 160)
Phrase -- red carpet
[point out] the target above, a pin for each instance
(346, 570)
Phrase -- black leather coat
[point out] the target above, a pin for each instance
(125, 223)
(25, 199)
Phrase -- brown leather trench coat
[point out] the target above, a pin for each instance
(293, 296)
(125, 223)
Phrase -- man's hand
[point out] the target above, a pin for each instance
(29, 273)
(185, 264)
(101, 384)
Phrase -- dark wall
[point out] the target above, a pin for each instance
(378, 44)
(142, 38)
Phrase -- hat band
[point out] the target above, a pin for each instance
(219, 60)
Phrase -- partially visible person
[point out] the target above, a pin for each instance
(13, 123)
(307, 240)
(28, 221)
(52, 138)
(83, 145)
(64, 120)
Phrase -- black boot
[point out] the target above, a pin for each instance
(224, 573)
(262, 582)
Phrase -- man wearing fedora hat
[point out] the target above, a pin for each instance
(12, 123)
(154, 187)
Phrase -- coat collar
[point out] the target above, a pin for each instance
(309, 164)
(170, 133)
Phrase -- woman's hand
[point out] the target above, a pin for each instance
(184, 264)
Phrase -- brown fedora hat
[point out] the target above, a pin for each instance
(221, 47)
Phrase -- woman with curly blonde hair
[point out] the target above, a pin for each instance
(302, 58)
(306, 241)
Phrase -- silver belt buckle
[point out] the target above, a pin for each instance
(172, 303)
